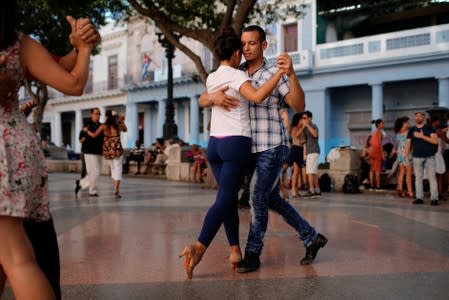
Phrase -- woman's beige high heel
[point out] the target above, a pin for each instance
(235, 256)
(192, 256)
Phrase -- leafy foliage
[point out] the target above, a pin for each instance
(45, 19)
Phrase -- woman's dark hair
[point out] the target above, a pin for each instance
(399, 123)
(377, 122)
(111, 120)
(8, 23)
(226, 44)
(296, 118)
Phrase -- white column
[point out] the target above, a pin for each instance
(56, 129)
(160, 117)
(132, 120)
(194, 119)
(377, 104)
(443, 92)
(78, 127)
(147, 125)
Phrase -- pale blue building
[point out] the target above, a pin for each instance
(348, 81)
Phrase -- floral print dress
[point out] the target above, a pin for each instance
(23, 171)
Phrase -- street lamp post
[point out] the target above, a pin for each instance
(170, 129)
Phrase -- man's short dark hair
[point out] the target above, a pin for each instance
(92, 110)
(262, 35)
(308, 114)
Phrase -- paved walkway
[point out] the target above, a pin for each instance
(380, 246)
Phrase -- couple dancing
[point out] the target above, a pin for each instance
(247, 134)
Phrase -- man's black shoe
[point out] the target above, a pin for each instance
(418, 201)
(434, 203)
(77, 187)
(312, 250)
(250, 263)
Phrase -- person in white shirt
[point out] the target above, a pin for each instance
(229, 146)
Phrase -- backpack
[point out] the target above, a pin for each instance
(351, 184)
(325, 183)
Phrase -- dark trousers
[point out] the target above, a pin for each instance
(83, 166)
(228, 158)
(43, 238)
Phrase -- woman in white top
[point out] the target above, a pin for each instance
(229, 147)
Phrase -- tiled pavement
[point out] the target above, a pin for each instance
(380, 246)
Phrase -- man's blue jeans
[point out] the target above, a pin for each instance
(268, 165)
(429, 165)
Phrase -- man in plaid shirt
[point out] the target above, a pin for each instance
(269, 147)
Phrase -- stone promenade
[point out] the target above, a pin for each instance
(380, 246)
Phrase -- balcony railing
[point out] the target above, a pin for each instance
(96, 87)
(400, 44)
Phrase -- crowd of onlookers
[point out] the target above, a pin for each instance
(418, 157)
(411, 157)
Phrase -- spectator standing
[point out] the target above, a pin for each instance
(297, 153)
(313, 154)
(440, 167)
(422, 142)
(376, 154)
(401, 127)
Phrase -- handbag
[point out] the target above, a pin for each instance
(112, 147)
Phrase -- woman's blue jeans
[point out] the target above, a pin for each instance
(228, 158)
(268, 165)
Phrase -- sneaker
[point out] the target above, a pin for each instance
(418, 201)
(312, 250)
(77, 187)
(434, 203)
(316, 195)
(250, 263)
(309, 194)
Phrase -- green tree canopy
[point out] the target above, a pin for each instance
(45, 20)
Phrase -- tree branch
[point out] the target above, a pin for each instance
(195, 58)
(227, 19)
(242, 13)
(201, 35)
